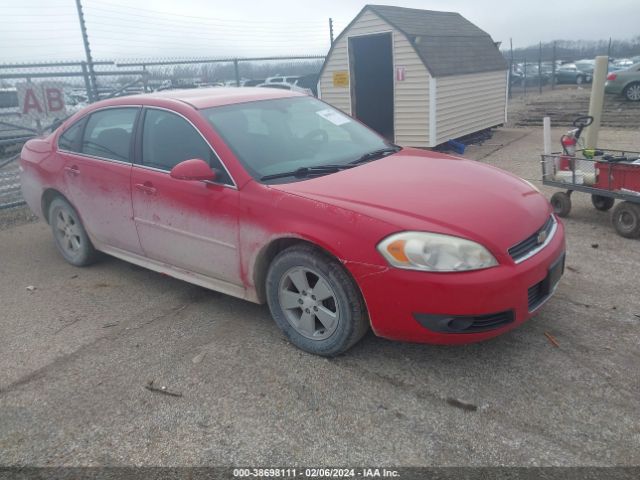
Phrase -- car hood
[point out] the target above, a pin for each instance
(427, 191)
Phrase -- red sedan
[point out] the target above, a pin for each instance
(276, 197)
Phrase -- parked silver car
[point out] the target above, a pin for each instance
(625, 82)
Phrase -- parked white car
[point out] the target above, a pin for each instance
(283, 79)
(286, 86)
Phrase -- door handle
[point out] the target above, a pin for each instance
(146, 187)
(74, 171)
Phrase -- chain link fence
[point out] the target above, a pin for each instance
(82, 85)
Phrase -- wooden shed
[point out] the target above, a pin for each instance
(418, 77)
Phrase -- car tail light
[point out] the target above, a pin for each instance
(612, 76)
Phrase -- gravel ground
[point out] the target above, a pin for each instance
(79, 348)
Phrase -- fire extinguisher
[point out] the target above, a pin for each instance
(570, 139)
(569, 142)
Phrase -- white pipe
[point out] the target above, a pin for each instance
(546, 131)
(597, 100)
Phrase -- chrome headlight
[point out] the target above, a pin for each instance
(434, 252)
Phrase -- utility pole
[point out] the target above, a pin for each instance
(331, 30)
(93, 94)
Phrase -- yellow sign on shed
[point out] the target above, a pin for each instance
(341, 79)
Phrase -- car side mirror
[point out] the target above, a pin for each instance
(194, 169)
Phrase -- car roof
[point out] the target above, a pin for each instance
(206, 97)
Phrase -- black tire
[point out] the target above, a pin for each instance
(626, 219)
(632, 92)
(561, 203)
(69, 234)
(602, 203)
(352, 320)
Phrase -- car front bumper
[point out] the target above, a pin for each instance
(458, 308)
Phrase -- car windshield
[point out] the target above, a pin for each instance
(273, 137)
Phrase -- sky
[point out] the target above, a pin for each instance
(40, 30)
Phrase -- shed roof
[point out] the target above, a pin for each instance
(447, 43)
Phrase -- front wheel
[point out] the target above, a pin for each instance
(632, 92)
(561, 203)
(315, 302)
(626, 219)
(69, 235)
(602, 203)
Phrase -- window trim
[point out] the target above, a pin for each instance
(85, 119)
(137, 157)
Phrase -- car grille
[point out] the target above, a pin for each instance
(531, 244)
(537, 295)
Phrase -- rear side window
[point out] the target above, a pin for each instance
(70, 139)
(168, 139)
(108, 134)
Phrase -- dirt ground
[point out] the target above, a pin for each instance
(79, 347)
(566, 102)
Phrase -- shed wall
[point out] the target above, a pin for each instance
(411, 96)
(469, 103)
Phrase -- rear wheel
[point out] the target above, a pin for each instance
(626, 219)
(315, 302)
(632, 92)
(561, 203)
(602, 203)
(69, 235)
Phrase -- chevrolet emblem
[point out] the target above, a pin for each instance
(542, 236)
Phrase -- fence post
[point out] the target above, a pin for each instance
(540, 69)
(237, 71)
(145, 79)
(553, 67)
(331, 30)
(87, 50)
(87, 82)
(524, 78)
(510, 66)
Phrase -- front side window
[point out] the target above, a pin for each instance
(109, 132)
(168, 139)
(271, 137)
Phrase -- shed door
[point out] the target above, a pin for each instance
(371, 65)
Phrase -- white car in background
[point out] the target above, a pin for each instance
(291, 79)
(286, 86)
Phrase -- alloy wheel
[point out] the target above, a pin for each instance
(68, 232)
(309, 303)
(633, 92)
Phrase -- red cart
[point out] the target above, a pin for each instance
(607, 175)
